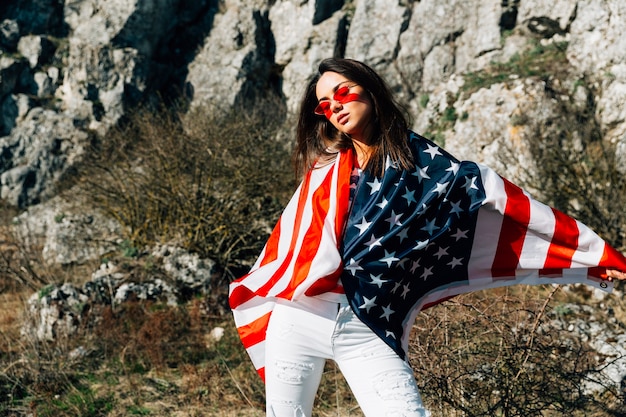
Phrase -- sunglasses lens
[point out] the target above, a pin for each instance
(322, 108)
(341, 94)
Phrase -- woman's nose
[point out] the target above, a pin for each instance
(335, 105)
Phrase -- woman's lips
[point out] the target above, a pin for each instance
(342, 118)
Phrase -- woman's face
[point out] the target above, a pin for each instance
(345, 104)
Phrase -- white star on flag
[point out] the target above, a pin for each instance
(368, 303)
(387, 312)
(421, 174)
(459, 234)
(427, 272)
(454, 167)
(375, 185)
(404, 234)
(441, 188)
(456, 208)
(394, 219)
(405, 291)
(374, 241)
(441, 252)
(375, 280)
(389, 258)
(409, 196)
(470, 183)
(353, 266)
(390, 164)
(430, 227)
(432, 151)
(421, 244)
(402, 263)
(363, 226)
(455, 262)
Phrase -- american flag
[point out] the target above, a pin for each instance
(411, 239)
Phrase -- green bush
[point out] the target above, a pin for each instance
(539, 61)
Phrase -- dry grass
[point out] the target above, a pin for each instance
(152, 359)
(12, 306)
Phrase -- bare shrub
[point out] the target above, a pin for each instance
(215, 184)
(584, 183)
(20, 263)
(499, 352)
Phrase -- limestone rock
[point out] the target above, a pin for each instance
(295, 25)
(54, 313)
(57, 311)
(189, 270)
(235, 59)
(67, 234)
(90, 63)
(37, 49)
(36, 154)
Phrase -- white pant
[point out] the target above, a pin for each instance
(302, 335)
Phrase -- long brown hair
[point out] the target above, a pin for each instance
(315, 132)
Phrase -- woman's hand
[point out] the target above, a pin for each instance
(615, 274)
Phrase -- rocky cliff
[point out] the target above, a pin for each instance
(476, 74)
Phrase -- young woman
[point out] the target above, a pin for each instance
(384, 224)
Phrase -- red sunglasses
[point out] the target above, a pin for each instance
(341, 96)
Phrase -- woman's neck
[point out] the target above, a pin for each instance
(363, 152)
(363, 145)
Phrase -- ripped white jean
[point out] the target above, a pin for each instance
(302, 335)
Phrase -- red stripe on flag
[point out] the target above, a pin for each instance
(326, 284)
(512, 232)
(611, 259)
(346, 164)
(563, 245)
(264, 290)
(439, 301)
(597, 271)
(254, 332)
(240, 295)
(271, 246)
(320, 202)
